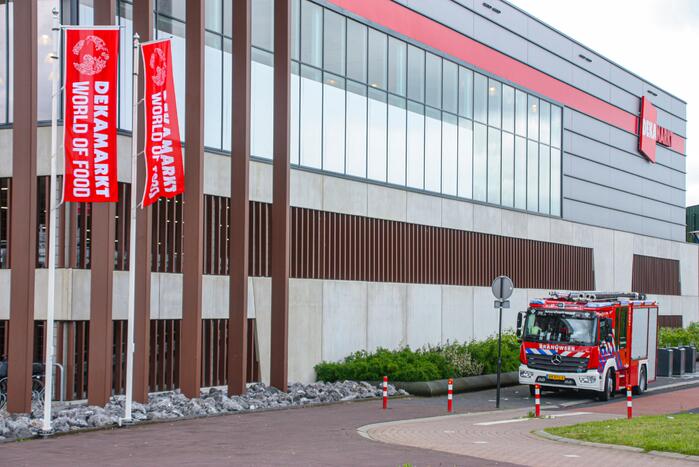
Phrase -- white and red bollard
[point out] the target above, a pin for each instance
(385, 392)
(629, 403)
(537, 400)
(450, 395)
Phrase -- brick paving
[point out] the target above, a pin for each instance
(323, 435)
(511, 442)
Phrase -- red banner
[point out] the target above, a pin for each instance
(163, 150)
(91, 65)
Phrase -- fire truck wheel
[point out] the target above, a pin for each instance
(608, 392)
(642, 382)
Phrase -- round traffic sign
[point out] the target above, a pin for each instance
(502, 287)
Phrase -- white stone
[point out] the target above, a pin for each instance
(6, 153)
(514, 224)
(120, 295)
(261, 182)
(215, 297)
(5, 283)
(80, 305)
(623, 260)
(217, 174)
(170, 294)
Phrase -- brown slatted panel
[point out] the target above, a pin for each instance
(70, 361)
(656, 275)
(670, 321)
(118, 357)
(153, 354)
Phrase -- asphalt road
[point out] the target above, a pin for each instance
(321, 435)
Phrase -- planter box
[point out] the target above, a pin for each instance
(466, 384)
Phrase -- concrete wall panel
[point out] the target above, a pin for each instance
(424, 304)
(457, 316)
(345, 196)
(424, 209)
(344, 318)
(305, 328)
(386, 203)
(386, 321)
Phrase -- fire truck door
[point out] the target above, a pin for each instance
(652, 342)
(621, 327)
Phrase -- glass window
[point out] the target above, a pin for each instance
(416, 74)
(433, 94)
(334, 41)
(544, 178)
(416, 145)
(396, 140)
(555, 182)
(494, 103)
(172, 8)
(555, 126)
(545, 123)
(465, 92)
(532, 176)
(175, 30)
(508, 108)
(334, 123)
(378, 60)
(450, 137)
(465, 158)
(376, 169)
(213, 62)
(311, 117)
(494, 162)
(227, 14)
(261, 104)
(45, 48)
(397, 63)
(3, 62)
(533, 121)
(311, 33)
(508, 169)
(356, 51)
(520, 113)
(480, 161)
(433, 150)
(295, 28)
(295, 109)
(356, 138)
(125, 68)
(262, 18)
(520, 173)
(451, 87)
(213, 15)
(480, 98)
(227, 112)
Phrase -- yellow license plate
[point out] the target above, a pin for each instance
(556, 377)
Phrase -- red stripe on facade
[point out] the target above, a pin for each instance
(402, 20)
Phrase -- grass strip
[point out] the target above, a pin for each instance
(669, 433)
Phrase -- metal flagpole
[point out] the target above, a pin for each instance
(51, 242)
(132, 234)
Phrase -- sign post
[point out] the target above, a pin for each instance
(51, 241)
(502, 290)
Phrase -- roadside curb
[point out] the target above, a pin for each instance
(618, 447)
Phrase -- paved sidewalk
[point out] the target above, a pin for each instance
(507, 436)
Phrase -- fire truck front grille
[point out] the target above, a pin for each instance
(567, 365)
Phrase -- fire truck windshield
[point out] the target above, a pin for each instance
(550, 327)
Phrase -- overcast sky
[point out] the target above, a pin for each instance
(656, 39)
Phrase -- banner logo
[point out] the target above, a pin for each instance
(650, 133)
(163, 149)
(90, 64)
(90, 116)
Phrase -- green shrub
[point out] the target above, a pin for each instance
(451, 360)
(486, 352)
(672, 337)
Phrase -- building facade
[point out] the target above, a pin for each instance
(434, 144)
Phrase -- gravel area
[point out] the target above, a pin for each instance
(173, 405)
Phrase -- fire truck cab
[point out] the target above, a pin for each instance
(598, 341)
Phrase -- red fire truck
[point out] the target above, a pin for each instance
(599, 341)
